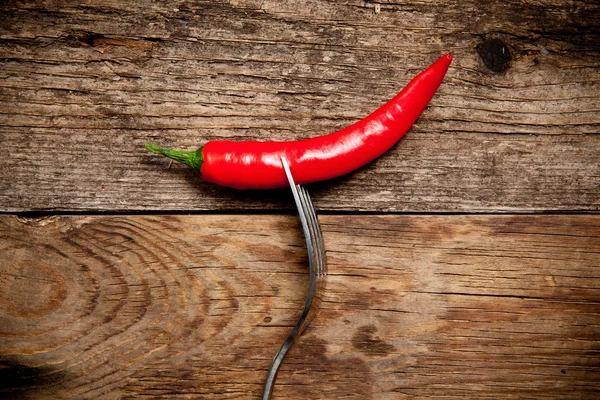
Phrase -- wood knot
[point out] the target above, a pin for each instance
(495, 54)
(30, 289)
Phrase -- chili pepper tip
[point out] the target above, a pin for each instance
(192, 158)
(446, 59)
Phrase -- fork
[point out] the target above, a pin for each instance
(318, 269)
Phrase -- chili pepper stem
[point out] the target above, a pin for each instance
(192, 158)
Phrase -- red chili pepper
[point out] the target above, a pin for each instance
(257, 165)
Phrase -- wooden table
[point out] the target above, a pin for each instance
(464, 263)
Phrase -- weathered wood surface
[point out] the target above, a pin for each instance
(490, 307)
(83, 85)
(177, 306)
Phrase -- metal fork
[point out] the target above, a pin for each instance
(318, 270)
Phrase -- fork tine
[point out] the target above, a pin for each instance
(313, 225)
(319, 250)
(318, 235)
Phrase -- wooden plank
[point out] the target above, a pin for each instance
(490, 307)
(82, 87)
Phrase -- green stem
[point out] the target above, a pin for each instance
(192, 158)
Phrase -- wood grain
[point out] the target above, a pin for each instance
(492, 307)
(513, 128)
